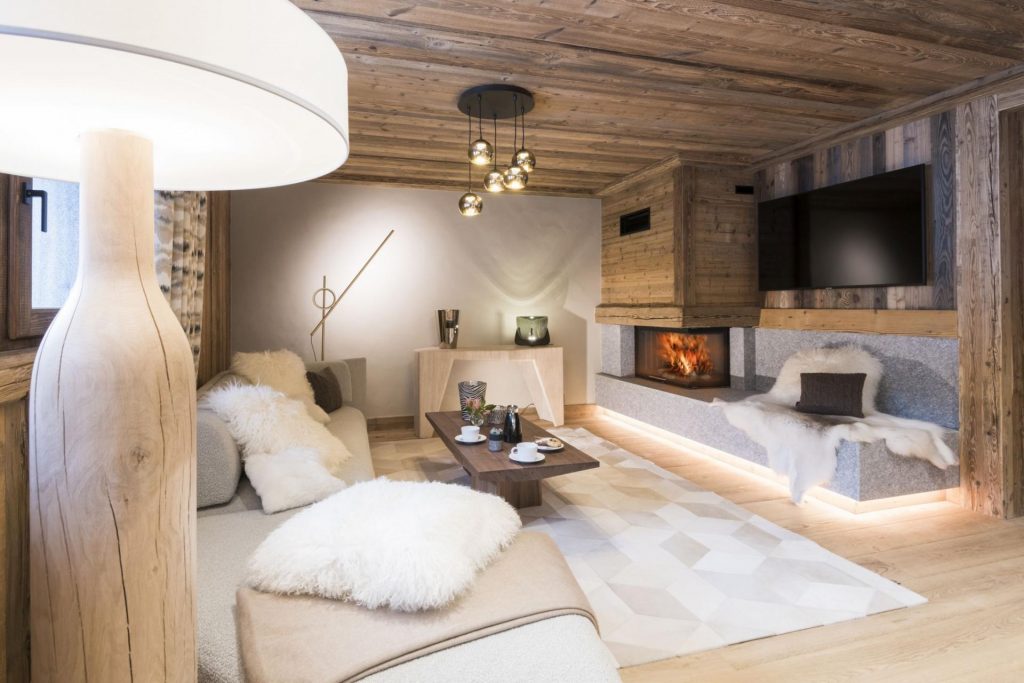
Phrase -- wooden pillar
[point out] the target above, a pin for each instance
(990, 295)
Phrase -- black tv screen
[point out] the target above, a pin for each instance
(865, 233)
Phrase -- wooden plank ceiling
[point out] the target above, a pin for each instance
(620, 84)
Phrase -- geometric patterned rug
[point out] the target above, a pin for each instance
(668, 567)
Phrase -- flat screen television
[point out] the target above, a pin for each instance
(865, 233)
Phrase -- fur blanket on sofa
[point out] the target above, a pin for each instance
(803, 447)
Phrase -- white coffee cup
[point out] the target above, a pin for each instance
(470, 433)
(526, 452)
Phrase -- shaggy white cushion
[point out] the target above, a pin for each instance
(282, 370)
(843, 359)
(403, 545)
(290, 479)
(263, 420)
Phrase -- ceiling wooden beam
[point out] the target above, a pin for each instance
(622, 84)
(1008, 81)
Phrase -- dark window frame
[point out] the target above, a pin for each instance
(23, 321)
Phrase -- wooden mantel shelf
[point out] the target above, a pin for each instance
(919, 323)
(678, 316)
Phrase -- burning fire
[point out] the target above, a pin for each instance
(685, 354)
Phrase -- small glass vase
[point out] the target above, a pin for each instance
(476, 419)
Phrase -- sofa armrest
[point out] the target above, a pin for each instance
(218, 463)
(357, 370)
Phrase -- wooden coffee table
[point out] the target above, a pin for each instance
(494, 472)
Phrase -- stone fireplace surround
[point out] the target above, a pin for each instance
(919, 381)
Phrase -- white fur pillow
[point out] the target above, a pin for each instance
(290, 479)
(404, 545)
(282, 370)
(844, 359)
(263, 420)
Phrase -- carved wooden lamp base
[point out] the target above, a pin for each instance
(112, 448)
(112, 406)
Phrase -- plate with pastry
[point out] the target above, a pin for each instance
(549, 444)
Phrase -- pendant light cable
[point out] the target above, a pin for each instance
(522, 120)
(515, 124)
(480, 116)
(494, 157)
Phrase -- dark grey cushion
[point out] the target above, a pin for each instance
(832, 393)
(326, 389)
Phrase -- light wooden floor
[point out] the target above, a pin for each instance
(971, 569)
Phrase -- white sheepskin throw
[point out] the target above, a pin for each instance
(290, 479)
(265, 421)
(803, 447)
(402, 545)
(282, 370)
(844, 359)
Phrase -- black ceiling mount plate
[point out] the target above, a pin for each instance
(498, 101)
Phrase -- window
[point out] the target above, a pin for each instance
(43, 254)
(55, 251)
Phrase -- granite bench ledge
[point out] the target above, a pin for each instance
(865, 471)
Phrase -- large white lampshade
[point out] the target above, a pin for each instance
(122, 96)
(232, 93)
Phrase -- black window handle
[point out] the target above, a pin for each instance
(28, 194)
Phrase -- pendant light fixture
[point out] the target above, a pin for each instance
(524, 158)
(515, 176)
(480, 151)
(493, 180)
(495, 101)
(470, 204)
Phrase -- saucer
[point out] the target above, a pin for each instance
(548, 445)
(527, 462)
(480, 438)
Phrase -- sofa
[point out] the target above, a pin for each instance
(231, 526)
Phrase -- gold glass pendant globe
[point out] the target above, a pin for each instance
(525, 160)
(514, 178)
(481, 152)
(470, 204)
(493, 181)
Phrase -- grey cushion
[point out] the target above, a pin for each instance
(218, 465)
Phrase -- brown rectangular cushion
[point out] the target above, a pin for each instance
(832, 393)
(326, 389)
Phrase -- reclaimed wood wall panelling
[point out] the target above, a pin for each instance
(702, 274)
(1011, 308)
(14, 630)
(927, 141)
(722, 241)
(641, 268)
(979, 290)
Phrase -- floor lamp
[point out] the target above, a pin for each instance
(123, 96)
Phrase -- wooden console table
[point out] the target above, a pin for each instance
(539, 366)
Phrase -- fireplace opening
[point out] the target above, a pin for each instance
(693, 359)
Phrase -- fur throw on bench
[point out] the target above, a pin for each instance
(803, 447)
